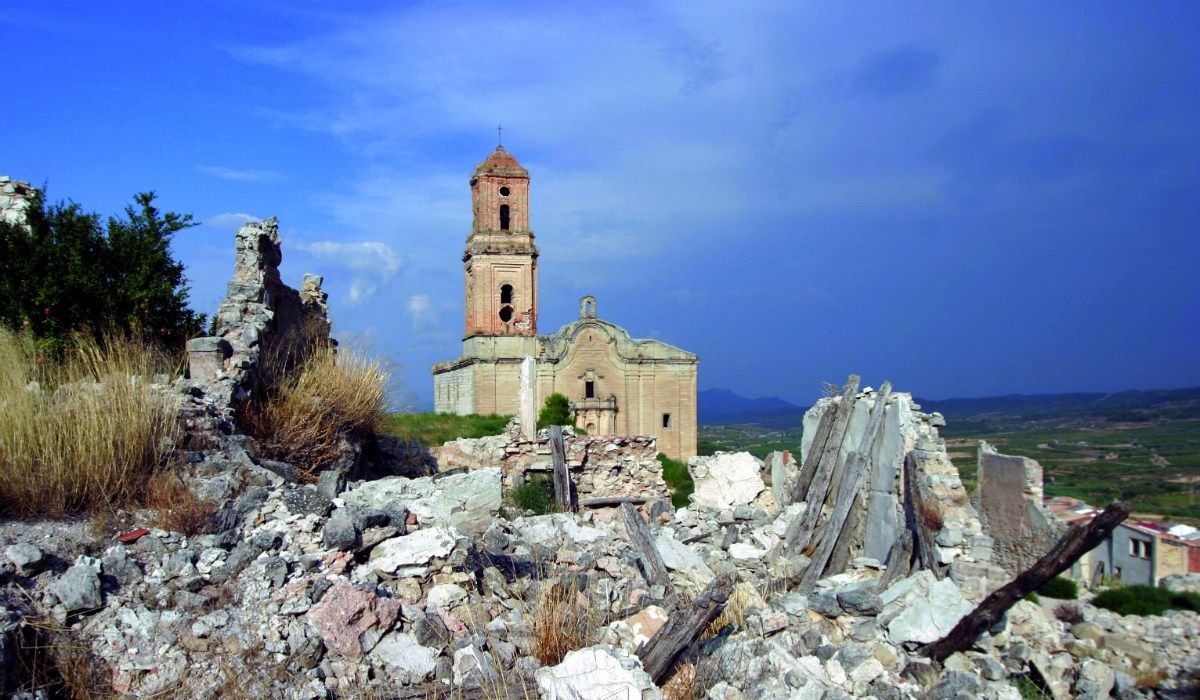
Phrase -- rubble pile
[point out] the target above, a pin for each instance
(432, 580)
(600, 465)
(840, 564)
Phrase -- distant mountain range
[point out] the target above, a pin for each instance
(724, 407)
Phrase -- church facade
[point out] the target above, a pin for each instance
(617, 384)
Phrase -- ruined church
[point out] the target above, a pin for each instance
(617, 385)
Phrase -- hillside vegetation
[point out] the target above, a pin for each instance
(434, 429)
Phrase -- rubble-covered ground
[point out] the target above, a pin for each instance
(409, 587)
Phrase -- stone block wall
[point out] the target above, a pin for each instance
(14, 199)
(601, 465)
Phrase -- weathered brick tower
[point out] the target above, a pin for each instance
(501, 257)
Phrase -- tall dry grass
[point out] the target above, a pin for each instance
(329, 394)
(84, 432)
(561, 624)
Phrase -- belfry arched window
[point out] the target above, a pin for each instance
(506, 294)
(503, 217)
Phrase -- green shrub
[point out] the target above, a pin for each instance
(65, 272)
(535, 495)
(556, 411)
(1145, 600)
(1060, 588)
(1034, 598)
(676, 475)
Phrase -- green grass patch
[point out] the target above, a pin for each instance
(1059, 588)
(433, 429)
(1145, 600)
(1028, 689)
(676, 475)
(1034, 598)
(535, 495)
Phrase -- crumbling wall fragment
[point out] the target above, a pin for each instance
(600, 465)
(1009, 500)
(261, 319)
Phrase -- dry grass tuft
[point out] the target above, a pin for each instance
(929, 514)
(55, 660)
(744, 597)
(682, 684)
(178, 507)
(329, 394)
(560, 624)
(82, 433)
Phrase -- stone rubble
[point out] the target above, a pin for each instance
(424, 577)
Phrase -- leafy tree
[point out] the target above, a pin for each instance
(63, 272)
(556, 411)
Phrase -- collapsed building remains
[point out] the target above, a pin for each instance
(827, 574)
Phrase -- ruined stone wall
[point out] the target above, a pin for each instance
(14, 199)
(1009, 501)
(962, 544)
(601, 465)
(260, 319)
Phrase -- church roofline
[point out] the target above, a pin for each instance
(627, 347)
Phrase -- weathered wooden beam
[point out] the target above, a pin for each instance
(848, 490)
(797, 538)
(561, 476)
(899, 560)
(1077, 541)
(608, 501)
(642, 540)
(798, 486)
(682, 627)
(917, 511)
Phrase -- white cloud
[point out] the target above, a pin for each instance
(361, 290)
(421, 309)
(230, 221)
(241, 174)
(374, 256)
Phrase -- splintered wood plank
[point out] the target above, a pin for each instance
(1075, 542)
(899, 560)
(800, 535)
(798, 487)
(642, 539)
(561, 476)
(683, 627)
(849, 490)
(918, 511)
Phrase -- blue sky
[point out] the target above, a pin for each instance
(967, 198)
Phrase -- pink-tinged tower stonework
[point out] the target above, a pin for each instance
(501, 258)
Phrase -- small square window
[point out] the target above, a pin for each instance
(589, 390)
(666, 420)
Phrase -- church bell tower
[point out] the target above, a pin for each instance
(501, 258)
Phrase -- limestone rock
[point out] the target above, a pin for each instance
(679, 557)
(930, 608)
(402, 651)
(27, 558)
(726, 479)
(409, 555)
(600, 672)
(466, 502)
(78, 588)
